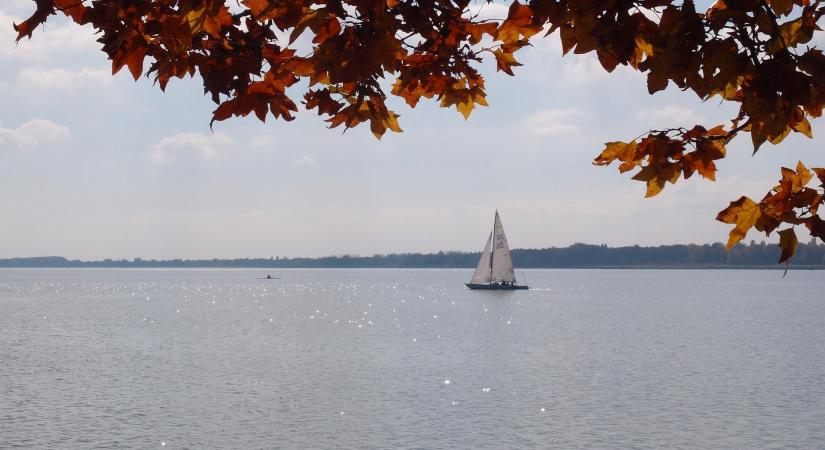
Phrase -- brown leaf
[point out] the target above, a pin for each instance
(788, 243)
(817, 227)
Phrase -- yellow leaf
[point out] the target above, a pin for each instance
(392, 122)
(743, 213)
(196, 19)
(644, 46)
(804, 127)
(654, 186)
(613, 150)
(780, 137)
(465, 108)
(790, 35)
(802, 177)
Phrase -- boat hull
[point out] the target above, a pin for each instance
(496, 287)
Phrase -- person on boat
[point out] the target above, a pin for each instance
(268, 276)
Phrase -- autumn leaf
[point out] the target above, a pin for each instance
(615, 150)
(788, 243)
(505, 61)
(744, 214)
(790, 35)
(519, 23)
(817, 227)
(797, 179)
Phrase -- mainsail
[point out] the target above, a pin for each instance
(502, 265)
(482, 273)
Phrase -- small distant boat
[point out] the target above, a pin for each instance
(269, 277)
(495, 267)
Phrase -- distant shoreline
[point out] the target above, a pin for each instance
(778, 267)
(759, 256)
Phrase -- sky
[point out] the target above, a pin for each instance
(97, 166)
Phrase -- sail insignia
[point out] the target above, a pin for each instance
(502, 266)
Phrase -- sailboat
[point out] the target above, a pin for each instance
(495, 267)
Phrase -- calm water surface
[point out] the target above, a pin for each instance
(410, 359)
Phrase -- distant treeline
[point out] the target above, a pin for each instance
(574, 256)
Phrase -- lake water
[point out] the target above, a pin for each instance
(411, 359)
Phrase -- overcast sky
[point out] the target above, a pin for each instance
(95, 166)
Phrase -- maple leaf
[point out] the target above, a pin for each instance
(519, 23)
(743, 213)
(788, 243)
(616, 150)
(817, 227)
(505, 61)
(796, 180)
(209, 21)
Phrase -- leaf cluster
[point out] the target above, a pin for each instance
(790, 202)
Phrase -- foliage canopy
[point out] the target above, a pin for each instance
(751, 52)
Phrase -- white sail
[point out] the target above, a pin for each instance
(482, 273)
(502, 262)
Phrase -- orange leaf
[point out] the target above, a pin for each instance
(134, 60)
(505, 62)
(614, 150)
(796, 180)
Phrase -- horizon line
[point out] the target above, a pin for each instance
(356, 255)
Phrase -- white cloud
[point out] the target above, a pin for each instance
(668, 117)
(305, 161)
(38, 78)
(261, 141)
(554, 122)
(189, 146)
(32, 134)
(583, 69)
